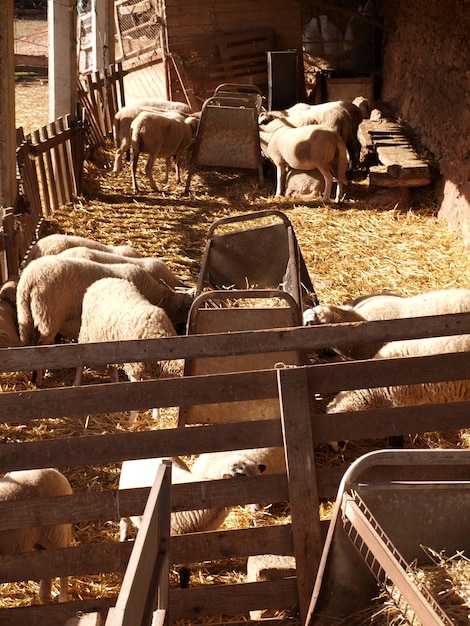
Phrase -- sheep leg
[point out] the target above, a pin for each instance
(124, 524)
(328, 183)
(118, 158)
(113, 374)
(78, 377)
(135, 158)
(64, 589)
(167, 169)
(148, 171)
(155, 414)
(339, 190)
(280, 177)
(45, 590)
(177, 169)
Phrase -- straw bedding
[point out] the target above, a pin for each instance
(350, 249)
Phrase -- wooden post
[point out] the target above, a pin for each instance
(8, 187)
(63, 69)
(102, 34)
(303, 493)
(143, 599)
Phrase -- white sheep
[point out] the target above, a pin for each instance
(26, 485)
(308, 148)
(254, 460)
(51, 289)
(214, 464)
(142, 472)
(123, 119)
(160, 135)
(115, 310)
(155, 267)
(388, 306)
(363, 105)
(342, 116)
(56, 243)
(9, 336)
(407, 395)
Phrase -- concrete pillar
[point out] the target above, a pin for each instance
(8, 189)
(63, 69)
(102, 33)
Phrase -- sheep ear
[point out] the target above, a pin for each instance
(261, 467)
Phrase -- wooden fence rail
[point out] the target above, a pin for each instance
(300, 428)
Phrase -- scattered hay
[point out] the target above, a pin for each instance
(447, 579)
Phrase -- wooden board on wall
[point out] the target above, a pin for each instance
(147, 82)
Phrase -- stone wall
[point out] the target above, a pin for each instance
(426, 75)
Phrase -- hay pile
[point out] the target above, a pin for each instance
(445, 578)
(350, 249)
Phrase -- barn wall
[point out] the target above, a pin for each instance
(193, 28)
(426, 75)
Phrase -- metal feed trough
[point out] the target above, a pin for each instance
(250, 279)
(265, 256)
(228, 134)
(391, 503)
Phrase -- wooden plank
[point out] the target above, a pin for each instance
(113, 556)
(398, 176)
(383, 423)
(307, 338)
(219, 388)
(184, 603)
(231, 599)
(300, 462)
(400, 164)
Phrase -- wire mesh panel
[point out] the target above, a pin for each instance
(85, 59)
(412, 598)
(138, 27)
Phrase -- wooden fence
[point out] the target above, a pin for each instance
(101, 94)
(50, 168)
(50, 163)
(299, 429)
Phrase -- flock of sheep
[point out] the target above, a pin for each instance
(82, 290)
(86, 291)
(319, 140)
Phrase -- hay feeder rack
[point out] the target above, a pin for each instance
(390, 504)
(251, 278)
(228, 135)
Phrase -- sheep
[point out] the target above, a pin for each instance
(267, 460)
(162, 105)
(342, 116)
(307, 148)
(9, 336)
(29, 484)
(364, 106)
(51, 290)
(142, 472)
(406, 395)
(123, 119)
(56, 243)
(389, 306)
(115, 310)
(155, 267)
(163, 135)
